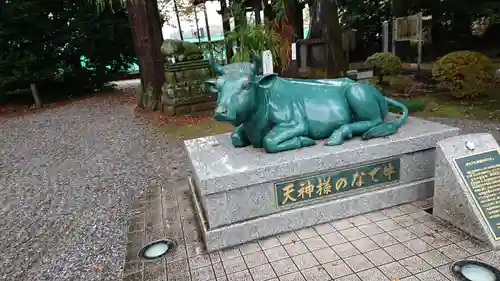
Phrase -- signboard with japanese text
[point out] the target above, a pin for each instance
(336, 182)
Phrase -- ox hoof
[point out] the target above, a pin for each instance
(334, 141)
(305, 141)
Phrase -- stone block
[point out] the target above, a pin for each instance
(240, 193)
(467, 185)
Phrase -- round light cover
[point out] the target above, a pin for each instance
(156, 250)
(471, 270)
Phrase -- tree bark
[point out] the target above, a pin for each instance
(226, 27)
(325, 25)
(146, 31)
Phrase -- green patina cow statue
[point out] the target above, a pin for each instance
(282, 114)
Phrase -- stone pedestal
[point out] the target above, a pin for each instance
(467, 185)
(243, 194)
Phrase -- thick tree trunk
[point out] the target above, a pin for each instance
(146, 31)
(325, 25)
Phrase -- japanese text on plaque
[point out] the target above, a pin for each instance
(327, 184)
(482, 173)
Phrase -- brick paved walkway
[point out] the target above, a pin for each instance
(404, 243)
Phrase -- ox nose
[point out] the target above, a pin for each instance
(220, 113)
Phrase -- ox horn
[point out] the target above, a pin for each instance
(216, 67)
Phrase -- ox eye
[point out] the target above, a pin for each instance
(247, 86)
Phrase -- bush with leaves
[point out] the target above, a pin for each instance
(384, 63)
(42, 42)
(466, 74)
(253, 39)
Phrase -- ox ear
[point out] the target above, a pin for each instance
(267, 80)
(211, 85)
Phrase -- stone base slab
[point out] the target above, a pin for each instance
(294, 219)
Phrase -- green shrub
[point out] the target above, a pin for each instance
(413, 105)
(384, 64)
(467, 74)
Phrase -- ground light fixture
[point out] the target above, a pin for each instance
(156, 250)
(472, 270)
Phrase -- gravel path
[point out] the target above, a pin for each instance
(68, 177)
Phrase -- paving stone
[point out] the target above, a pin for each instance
(269, 243)
(315, 243)
(376, 216)
(473, 247)
(219, 269)
(373, 274)
(222, 278)
(334, 238)
(415, 264)
(435, 258)
(404, 220)
(435, 240)
(132, 267)
(420, 230)
(196, 249)
(384, 240)
(352, 233)
(388, 225)
(203, 274)
(177, 267)
(491, 257)
(296, 248)
(409, 208)
(304, 261)
(350, 277)
(365, 245)
(288, 238)
(137, 276)
(417, 246)
(409, 278)
(420, 216)
(230, 253)
(402, 234)
(359, 220)
(446, 271)
(398, 251)
(199, 261)
(250, 248)
(345, 250)
(358, 263)
(325, 255)
(306, 233)
(370, 229)
(454, 252)
(215, 257)
(379, 257)
(284, 266)
(262, 272)
(392, 212)
(342, 224)
(394, 270)
(324, 228)
(316, 274)
(240, 276)
(181, 277)
(296, 276)
(154, 271)
(234, 265)
(337, 269)
(276, 253)
(454, 235)
(431, 275)
(255, 259)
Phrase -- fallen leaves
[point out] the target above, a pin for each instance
(99, 267)
(395, 279)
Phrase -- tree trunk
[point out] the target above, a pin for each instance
(325, 25)
(226, 27)
(146, 31)
(36, 95)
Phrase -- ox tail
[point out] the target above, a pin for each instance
(388, 128)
